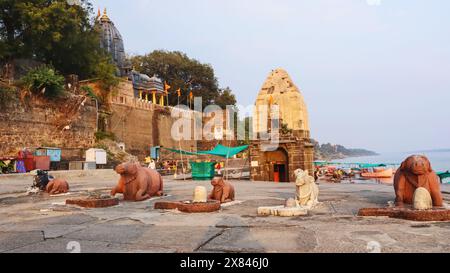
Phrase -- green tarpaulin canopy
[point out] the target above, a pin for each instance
(444, 175)
(219, 150)
(367, 166)
(179, 151)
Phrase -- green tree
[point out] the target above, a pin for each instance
(52, 32)
(185, 73)
(226, 97)
(105, 72)
(46, 81)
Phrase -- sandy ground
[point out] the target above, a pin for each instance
(45, 224)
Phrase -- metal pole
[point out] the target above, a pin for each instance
(181, 152)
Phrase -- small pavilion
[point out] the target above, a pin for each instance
(148, 89)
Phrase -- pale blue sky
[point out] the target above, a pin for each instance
(373, 76)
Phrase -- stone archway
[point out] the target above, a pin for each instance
(278, 165)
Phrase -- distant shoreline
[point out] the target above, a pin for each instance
(341, 157)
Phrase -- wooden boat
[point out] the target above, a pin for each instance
(388, 173)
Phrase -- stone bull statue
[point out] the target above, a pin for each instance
(307, 192)
(222, 190)
(414, 173)
(57, 186)
(137, 183)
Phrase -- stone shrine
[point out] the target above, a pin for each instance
(295, 150)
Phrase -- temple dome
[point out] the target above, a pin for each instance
(279, 89)
(111, 40)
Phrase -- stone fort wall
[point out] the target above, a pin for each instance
(69, 124)
(141, 125)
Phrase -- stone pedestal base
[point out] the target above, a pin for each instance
(189, 207)
(436, 214)
(282, 211)
(93, 203)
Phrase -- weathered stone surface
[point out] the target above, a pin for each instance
(137, 227)
(62, 246)
(287, 239)
(13, 240)
(189, 206)
(93, 203)
(71, 219)
(290, 203)
(408, 214)
(56, 231)
(187, 239)
(121, 234)
(282, 211)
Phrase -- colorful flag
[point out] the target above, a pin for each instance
(270, 100)
(166, 87)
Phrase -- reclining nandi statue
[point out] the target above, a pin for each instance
(307, 192)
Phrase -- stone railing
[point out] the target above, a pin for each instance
(146, 105)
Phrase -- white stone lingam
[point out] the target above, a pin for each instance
(422, 199)
(200, 195)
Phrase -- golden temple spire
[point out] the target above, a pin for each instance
(105, 15)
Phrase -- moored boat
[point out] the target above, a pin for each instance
(388, 173)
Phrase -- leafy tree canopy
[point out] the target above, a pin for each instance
(185, 73)
(44, 80)
(53, 32)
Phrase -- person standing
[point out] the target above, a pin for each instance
(152, 165)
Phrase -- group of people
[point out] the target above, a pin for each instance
(167, 165)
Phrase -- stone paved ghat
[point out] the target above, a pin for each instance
(45, 224)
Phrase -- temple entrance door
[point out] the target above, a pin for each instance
(280, 173)
(278, 165)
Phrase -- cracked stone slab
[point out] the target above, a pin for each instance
(71, 219)
(289, 239)
(13, 240)
(120, 234)
(61, 245)
(374, 236)
(187, 239)
(56, 231)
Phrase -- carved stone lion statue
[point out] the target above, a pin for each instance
(57, 186)
(137, 183)
(416, 172)
(307, 192)
(223, 191)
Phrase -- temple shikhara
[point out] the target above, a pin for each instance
(112, 42)
(277, 162)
